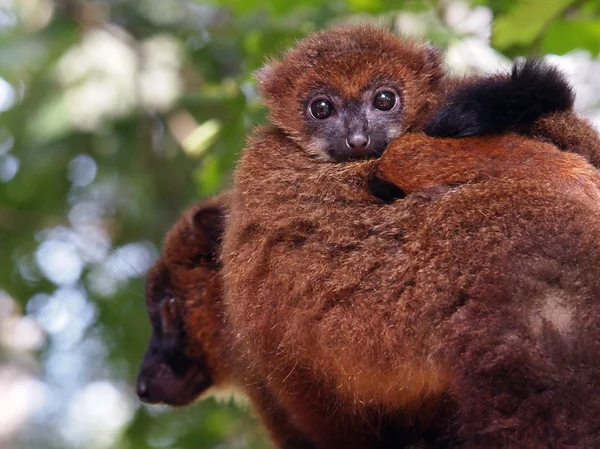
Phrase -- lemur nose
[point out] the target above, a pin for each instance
(142, 389)
(357, 141)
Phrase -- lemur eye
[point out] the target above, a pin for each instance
(168, 313)
(384, 100)
(321, 109)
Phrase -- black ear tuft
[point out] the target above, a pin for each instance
(539, 88)
(496, 104)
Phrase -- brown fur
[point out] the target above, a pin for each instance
(482, 293)
(417, 162)
(179, 292)
(569, 132)
(468, 305)
(197, 283)
(188, 270)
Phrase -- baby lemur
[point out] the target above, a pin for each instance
(347, 93)
(463, 313)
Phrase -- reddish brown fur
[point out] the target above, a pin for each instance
(393, 306)
(199, 288)
(184, 272)
(346, 59)
(417, 162)
(569, 132)
(474, 294)
(176, 369)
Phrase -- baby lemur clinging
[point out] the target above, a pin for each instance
(190, 353)
(462, 313)
(347, 93)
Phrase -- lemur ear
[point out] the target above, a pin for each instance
(208, 224)
(433, 54)
(263, 74)
(434, 62)
(267, 79)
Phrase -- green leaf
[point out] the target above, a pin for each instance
(525, 21)
(563, 36)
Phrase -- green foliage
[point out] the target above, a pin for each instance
(551, 26)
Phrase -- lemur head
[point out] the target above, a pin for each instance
(346, 92)
(187, 353)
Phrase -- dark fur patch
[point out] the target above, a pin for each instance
(501, 103)
(384, 190)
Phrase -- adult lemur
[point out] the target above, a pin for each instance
(465, 312)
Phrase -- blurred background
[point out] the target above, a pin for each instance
(115, 115)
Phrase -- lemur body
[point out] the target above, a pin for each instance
(391, 306)
(395, 307)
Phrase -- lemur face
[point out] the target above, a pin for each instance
(186, 355)
(346, 93)
(168, 374)
(345, 128)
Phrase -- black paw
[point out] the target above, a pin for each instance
(384, 190)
